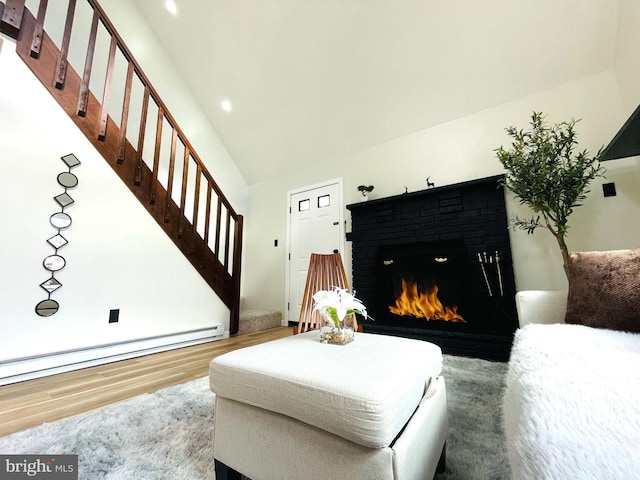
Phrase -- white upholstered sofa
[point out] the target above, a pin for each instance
(572, 401)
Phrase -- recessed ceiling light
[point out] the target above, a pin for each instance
(226, 105)
(170, 5)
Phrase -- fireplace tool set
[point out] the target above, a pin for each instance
(491, 263)
(492, 274)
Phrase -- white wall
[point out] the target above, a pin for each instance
(626, 63)
(117, 256)
(457, 151)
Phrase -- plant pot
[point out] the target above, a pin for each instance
(336, 331)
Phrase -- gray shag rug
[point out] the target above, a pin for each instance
(168, 434)
(476, 446)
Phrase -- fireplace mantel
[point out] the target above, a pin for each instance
(471, 214)
(412, 196)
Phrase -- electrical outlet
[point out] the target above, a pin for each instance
(114, 315)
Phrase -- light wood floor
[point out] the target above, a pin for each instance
(28, 404)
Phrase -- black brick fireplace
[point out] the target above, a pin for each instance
(436, 265)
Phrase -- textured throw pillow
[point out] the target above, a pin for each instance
(604, 289)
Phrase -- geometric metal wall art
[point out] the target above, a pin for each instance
(60, 221)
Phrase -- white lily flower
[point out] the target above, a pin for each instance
(338, 302)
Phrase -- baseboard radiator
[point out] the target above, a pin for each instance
(28, 368)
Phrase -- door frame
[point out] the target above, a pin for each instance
(341, 246)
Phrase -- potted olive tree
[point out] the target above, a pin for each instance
(546, 173)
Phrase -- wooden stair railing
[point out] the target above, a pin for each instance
(196, 216)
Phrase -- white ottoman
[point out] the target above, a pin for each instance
(295, 408)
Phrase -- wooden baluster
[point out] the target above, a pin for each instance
(172, 161)
(218, 223)
(61, 68)
(104, 109)
(124, 120)
(183, 192)
(196, 207)
(36, 42)
(156, 156)
(12, 18)
(83, 98)
(227, 241)
(143, 127)
(207, 219)
(237, 268)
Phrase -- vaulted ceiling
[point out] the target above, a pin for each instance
(311, 80)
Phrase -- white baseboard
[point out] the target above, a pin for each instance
(29, 368)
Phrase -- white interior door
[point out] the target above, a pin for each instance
(315, 226)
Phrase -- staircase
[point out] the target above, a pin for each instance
(171, 182)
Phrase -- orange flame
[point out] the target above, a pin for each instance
(413, 303)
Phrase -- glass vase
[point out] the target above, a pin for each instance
(336, 331)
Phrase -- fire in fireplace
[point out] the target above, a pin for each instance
(421, 283)
(422, 302)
